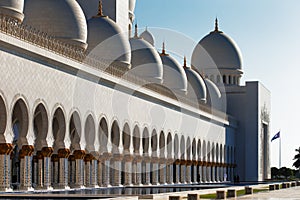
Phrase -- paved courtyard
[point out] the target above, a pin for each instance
(290, 193)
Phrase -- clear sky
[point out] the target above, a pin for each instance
(268, 34)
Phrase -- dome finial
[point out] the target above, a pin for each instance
(136, 30)
(164, 48)
(184, 62)
(100, 9)
(216, 25)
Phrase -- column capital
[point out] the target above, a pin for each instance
(189, 162)
(63, 153)
(79, 154)
(138, 158)
(27, 150)
(71, 158)
(117, 157)
(6, 148)
(39, 155)
(47, 151)
(147, 159)
(88, 157)
(128, 158)
(54, 158)
(105, 156)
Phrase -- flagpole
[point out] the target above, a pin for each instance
(280, 152)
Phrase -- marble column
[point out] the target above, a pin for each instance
(100, 179)
(63, 155)
(94, 173)
(195, 175)
(87, 160)
(54, 170)
(213, 178)
(79, 168)
(72, 171)
(147, 161)
(105, 158)
(26, 167)
(177, 171)
(46, 153)
(183, 172)
(162, 171)
(138, 160)
(208, 175)
(117, 166)
(218, 173)
(169, 171)
(128, 170)
(188, 172)
(38, 170)
(5, 166)
(199, 175)
(155, 171)
(204, 178)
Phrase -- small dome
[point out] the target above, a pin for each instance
(12, 8)
(196, 86)
(146, 35)
(174, 76)
(217, 50)
(214, 97)
(105, 39)
(146, 61)
(62, 19)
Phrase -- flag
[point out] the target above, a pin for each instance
(277, 135)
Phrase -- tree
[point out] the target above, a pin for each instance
(297, 158)
(275, 172)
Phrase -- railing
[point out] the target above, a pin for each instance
(11, 27)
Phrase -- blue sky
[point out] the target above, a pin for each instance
(267, 33)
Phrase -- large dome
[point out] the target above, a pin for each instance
(106, 40)
(174, 76)
(217, 50)
(146, 35)
(196, 85)
(12, 8)
(62, 19)
(145, 60)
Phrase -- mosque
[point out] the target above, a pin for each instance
(86, 104)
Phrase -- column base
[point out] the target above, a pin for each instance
(63, 187)
(8, 189)
(23, 188)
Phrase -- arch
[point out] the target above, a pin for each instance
(59, 128)
(40, 126)
(204, 151)
(182, 147)
(188, 148)
(115, 136)
(75, 131)
(136, 139)
(225, 154)
(224, 79)
(169, 145)
(3, 115)
(199, 150)
(221, 153)
(234, 80)
(162, 143)
(208, 152)
(194, 150)
(20, 120)
(126, 138)
(154, 141)
(103, 135)
(90, 133)
(145, 141)
(229, 80)
(176, 146)
(213, 155)
(217, 153)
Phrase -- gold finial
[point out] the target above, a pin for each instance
(100, 10)
(184, 62)
(136, 31)
(164, 48)
(216, 25)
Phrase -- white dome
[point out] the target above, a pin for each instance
(217, 50)
(62, 19)
(146, 35)
(12, 8)
(196, 86)
(174, 76)
(105, 39)
(214, 97)
(146, 62)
